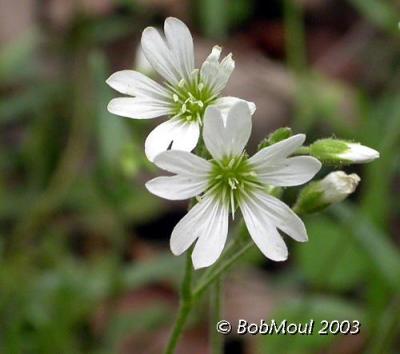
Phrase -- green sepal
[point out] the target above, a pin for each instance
(328, 151)
(310, 199)
(275, 137)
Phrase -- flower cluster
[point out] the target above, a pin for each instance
(231, 180)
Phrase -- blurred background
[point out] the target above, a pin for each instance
(84, 259)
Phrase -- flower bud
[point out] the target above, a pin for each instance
(332, 189)
(275, 137)
(341, 152)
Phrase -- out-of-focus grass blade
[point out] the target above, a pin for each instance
(388, 327)
(337, 268)
(16, 58)
(381, 120)
(214, 17)
(383, 13)
(33, 98)
(160, 268)
(113, 134)
(377, 245)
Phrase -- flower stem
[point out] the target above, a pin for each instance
(184, 307)
(216, 295)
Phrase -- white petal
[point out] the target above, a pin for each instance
(183, 163)
(210, 67)
(225, 104)
(177, 187)
(133, 83)
(213, 236)
(181, 43)
(229, 139)
(281, 216)
(159, 55)
(263, 232)
(182, 136)
(338, 185)
(277, 151)
(293, 171)
(187, 137)
(159, 139)
(225, 70)
(189, 227)
(215, 74)
(358, 153)
(138, 107)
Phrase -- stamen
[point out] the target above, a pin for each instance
(230, 178)
(231, 163)
(232, 205)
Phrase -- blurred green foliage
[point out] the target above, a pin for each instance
(72, 192)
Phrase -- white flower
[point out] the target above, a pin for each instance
(357, 153)
(184, 96)
(229, 181)
(337, 186)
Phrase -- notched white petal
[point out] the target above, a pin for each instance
(190, 226)
(278, 151)
(138, 107)
(225, 104)
(227, 136)
(281, 216)
(133, 83)
(180, 41)
(183, 163)
(263, 232)
(216, 74)
(182, 136)
(159, 55)
(213, 236)
(292, 171)
(177, 187)
(213, 132)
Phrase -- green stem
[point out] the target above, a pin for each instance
(184, 307)
(216, 294)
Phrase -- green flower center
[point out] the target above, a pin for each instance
(190, 99)
(231, 179)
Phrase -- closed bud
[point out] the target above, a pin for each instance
(275, 137)
(341, 152)
(333, 189)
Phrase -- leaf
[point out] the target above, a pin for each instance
(317, 308)
(381, 251)
(332, 259)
